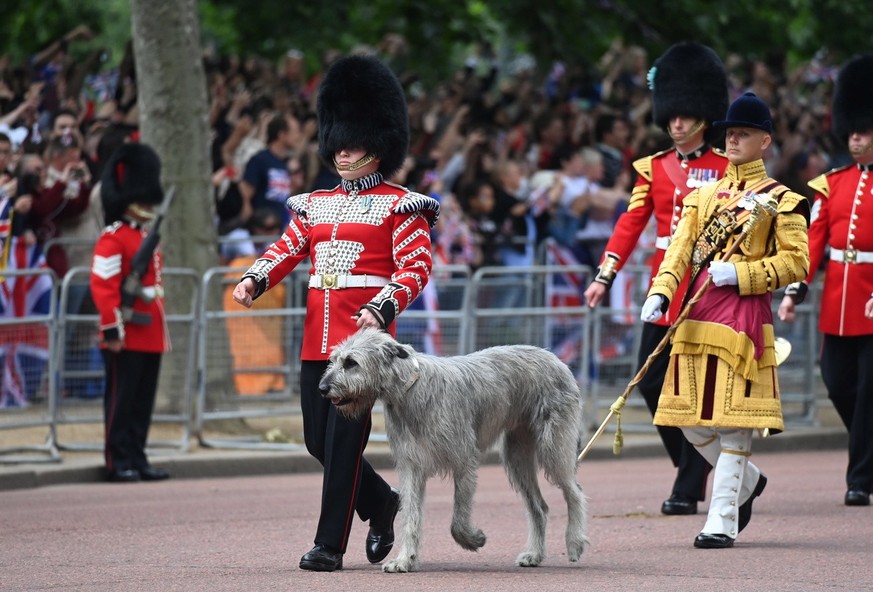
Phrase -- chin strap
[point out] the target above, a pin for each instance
(358, 164)
(862, 150)
(694, 129)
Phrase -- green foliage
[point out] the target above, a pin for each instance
(442, 32)
(30, 27)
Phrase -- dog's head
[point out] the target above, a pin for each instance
(363, 368)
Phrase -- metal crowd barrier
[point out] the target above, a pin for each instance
(27, 332)
(248, 358)
(538, 305)
(245, 359)
(223, 373)
(78, 392)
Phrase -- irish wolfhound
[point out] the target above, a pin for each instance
(442, 413)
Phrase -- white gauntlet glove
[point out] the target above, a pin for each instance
(652, 308)
(723, 273)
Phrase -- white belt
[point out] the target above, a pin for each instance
(149, 293)
(662, 242)
(332, 281)
(851, 256)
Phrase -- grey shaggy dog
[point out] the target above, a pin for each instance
(442, 413)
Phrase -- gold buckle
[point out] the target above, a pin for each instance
(328, 280)
(850, 255)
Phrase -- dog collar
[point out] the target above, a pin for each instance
(414, 377)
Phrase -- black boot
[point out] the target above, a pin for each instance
(380, 538)
(322, 558)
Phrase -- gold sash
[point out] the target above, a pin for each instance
(725, 220)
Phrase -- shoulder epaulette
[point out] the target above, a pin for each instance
(298, 204)
(416, 202)
(719, 152)
(643, 165)
(820, 183)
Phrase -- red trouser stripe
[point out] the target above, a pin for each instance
(363, 444)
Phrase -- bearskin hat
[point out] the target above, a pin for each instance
(689, 79)
(852, 108)
(362, 105)
(131, 175)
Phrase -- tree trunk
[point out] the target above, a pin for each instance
(173, 107)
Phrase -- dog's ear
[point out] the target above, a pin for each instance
(400, 351)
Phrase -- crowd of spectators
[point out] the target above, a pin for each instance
(515, 157)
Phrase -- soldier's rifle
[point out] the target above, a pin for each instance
(131, 287)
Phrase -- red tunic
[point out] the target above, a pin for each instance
(111, 264)
(381, 230)
(656, 192)
(842, 218)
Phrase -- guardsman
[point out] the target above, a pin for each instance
(133, 331)
(842, 232)
(747, 235)
(368, 241)
(689, 91)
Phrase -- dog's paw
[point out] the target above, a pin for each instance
(399, 565)
(576, 548)
(529, 559)
(469, 540)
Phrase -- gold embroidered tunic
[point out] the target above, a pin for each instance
(722, 369)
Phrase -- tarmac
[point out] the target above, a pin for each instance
(238, 519)
(232, 520)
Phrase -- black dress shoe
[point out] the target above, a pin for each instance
(746, 509)
(679, 505)
(857, 496)
(123, 476)
(380, 538)
(322, 558)
(153, 474)
(713, 541)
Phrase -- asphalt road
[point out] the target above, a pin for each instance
(248, 532)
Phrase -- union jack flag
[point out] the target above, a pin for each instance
(567, 288)
(564, 289)
(24, 346)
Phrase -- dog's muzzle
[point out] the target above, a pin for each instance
(324, 389)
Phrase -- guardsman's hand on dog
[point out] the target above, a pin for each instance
(244, 292)
(365, 318)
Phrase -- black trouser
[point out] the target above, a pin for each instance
(350, 483)
(847, 371)
(692, 468)
(128, 402)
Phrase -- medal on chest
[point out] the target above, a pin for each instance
(364, 203)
